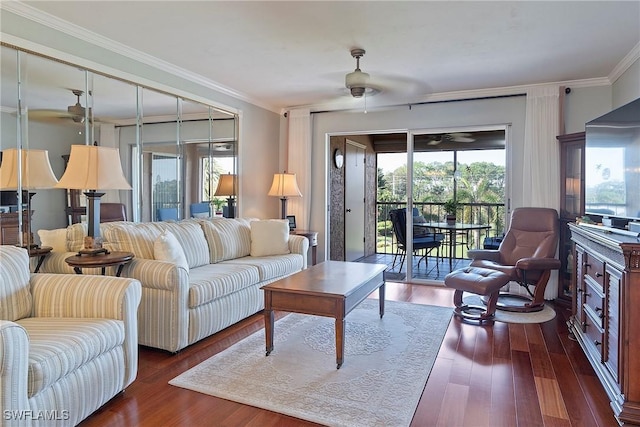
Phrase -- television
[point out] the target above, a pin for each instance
(10, 197)
(612, 166)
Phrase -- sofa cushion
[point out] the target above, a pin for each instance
(15, 294)
(213, 281)
(191, 237)
(75, 236)
(269, 237)
(59, 346)
(167, 248)
(56, 239)
(272, 267)
(227, 238)
(133, 237)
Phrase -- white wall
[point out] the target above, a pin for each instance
(584, 104)
(627, 87)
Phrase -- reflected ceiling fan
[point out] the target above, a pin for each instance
(451, 137)
(75, 113)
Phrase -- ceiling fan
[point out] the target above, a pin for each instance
(358, 81)
(77, 111)
(451, 137)
(74, 112)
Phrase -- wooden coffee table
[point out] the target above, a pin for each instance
(331, 289)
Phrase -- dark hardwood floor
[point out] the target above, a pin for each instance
(498, 375)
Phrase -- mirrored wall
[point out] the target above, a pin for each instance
(173, 150)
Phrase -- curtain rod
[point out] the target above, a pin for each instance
(410, 105)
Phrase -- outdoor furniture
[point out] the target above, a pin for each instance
(427, 243)
(480, 281)
(526, 254)
(200, 210)
(453, 231)
(167, 214)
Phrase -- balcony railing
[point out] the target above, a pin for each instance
(475, 213)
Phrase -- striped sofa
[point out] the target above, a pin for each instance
(218, 285)
(68, 343)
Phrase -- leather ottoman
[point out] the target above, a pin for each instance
(480, 281)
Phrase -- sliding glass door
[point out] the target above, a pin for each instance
(468, 168)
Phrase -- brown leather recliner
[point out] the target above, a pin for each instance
(110, 212)
(527, 254)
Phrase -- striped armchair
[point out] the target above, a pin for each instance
(68, 343)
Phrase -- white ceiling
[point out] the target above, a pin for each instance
(281, 54)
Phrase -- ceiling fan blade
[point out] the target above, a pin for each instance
(462, 139)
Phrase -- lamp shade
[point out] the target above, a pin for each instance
(94, 168)
(227, 185)
(36, 170)
(284, 185)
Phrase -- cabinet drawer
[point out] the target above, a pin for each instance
(594, 334)
(594, 302)
(594, 268)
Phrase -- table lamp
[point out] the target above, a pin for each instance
(28, 170)
(284, 185)
(94, 169)
(227, 185)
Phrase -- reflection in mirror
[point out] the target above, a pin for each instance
(173, 150)
(45, 123)
(210, 151)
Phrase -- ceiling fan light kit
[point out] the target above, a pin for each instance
(77, 111)
(358, 81)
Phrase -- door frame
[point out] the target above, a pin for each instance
(362, 147)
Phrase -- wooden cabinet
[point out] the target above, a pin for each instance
(606, 313)
(571, 204)
(9, 227)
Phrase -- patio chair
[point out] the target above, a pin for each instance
(167, 214)
(425, 243)
(200, 210)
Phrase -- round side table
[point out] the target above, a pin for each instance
(103, 260)
(41, 253)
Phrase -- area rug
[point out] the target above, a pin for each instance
(546, 314)
(386, 365)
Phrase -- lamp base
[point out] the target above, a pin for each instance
(283, 208)
(92, 252)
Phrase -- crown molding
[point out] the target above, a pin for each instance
(55, 23)
(50, 21)
(625, 63)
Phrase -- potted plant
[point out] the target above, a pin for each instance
(217, 203)
(450, 207)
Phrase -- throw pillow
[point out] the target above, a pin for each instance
(269, 237)
(75, 236)
(57, 239)
(167, 248)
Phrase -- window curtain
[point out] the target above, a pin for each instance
(299, 162)
(541, 172)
